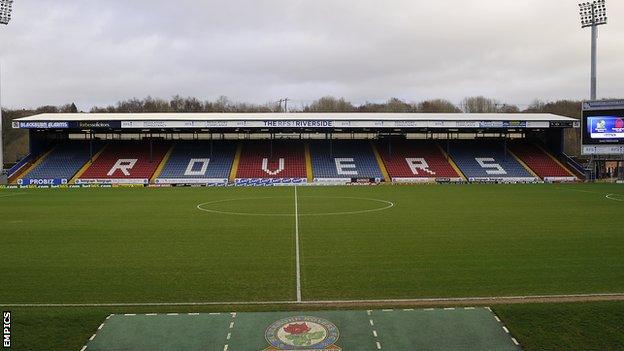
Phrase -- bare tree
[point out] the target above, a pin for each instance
(437, 106)
(479, 104)
(330, 104)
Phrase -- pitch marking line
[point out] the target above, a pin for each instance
(297, 257)
(233, 314)
(374, 331)
(504, 327)
(610, 197)
(98, 329)
(386, 205)
(441, 300)
(229, 334)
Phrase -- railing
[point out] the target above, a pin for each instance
(16, 167)
(578, 168)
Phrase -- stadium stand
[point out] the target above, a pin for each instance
(540, 162)
(198, 162)
(415, 160)
(283, 161)
(484, 160)
(125, 162)
(344, 159)
(61, 164)
(195, 162)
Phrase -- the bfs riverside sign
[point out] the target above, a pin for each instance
(281, 124)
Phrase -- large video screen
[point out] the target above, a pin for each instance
(603, 127)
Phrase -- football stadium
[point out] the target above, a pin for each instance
(437, 184)
(310, 232)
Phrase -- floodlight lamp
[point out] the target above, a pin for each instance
(5, 11)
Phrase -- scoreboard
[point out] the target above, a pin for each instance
(602, 127)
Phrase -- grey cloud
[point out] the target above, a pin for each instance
(95, 52)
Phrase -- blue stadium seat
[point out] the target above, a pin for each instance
(63, 162)
(344, 159)
(194, 160)
(486, 159)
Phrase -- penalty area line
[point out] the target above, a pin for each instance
(422, 301)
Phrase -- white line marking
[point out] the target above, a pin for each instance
(151, 314)
(369, 312)
(387, 310)
(505, 329)
(515, 341)
(229, 334)
(469, 308)
(497, 319)
(429, 309)
(608, 196)
(130, 314)
(387, 205)
(375, 335)
(297, 258)
(449, 308)
(83, 348)
(92, 337)
(214, 313)
(489, 309)
(100, 327)
(506, 299)
(578, 190)
(408, 309)
(172, 314)
(193, 314)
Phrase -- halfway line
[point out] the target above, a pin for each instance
(298, 265)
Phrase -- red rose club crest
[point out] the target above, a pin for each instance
(302, 333)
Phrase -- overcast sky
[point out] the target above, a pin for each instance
(97, 52)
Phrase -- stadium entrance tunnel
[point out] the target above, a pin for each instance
(447, 329)
(284, 206)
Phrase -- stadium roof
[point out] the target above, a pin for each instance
(53, 117)
(293, 121)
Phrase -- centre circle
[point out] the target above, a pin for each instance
(284, 206)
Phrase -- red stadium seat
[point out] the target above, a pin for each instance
(287, 160)
(541, 163)
(131, 157)
(415, 159)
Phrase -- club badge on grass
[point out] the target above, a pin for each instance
(302, 333)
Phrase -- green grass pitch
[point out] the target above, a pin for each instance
(129, 245)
